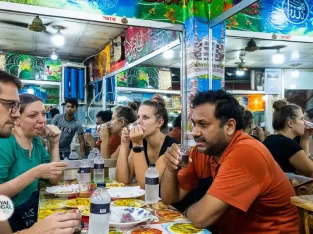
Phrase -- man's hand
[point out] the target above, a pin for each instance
(59, 223)
(171, 157)
(52, 133)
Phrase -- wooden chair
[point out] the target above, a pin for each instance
(304, 201)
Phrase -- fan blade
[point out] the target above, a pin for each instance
(47, 32)
(47, 24)
(272, 47)
(18, 24)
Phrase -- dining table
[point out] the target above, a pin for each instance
(164, 219)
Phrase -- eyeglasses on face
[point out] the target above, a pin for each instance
(12, 105)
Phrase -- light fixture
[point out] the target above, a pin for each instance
(240, 72)
(168, 54)
(31, 91)
(295, 73)
(295, 55)
(278, 58)
(54, 56)
(58, 38)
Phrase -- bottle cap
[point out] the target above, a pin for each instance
(101, 185)
(152, 165)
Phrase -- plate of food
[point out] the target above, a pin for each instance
(47, 212)
(129, 202)
(145, 230)
(183, 228)
(126, 192)
(84, 210)
(160, 206)
(114, 230)
(63, 190)
(114, 185)
(169, 215)
(125, 217)
(51, 204)
(77, 202)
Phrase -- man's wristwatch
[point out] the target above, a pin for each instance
(138, 149)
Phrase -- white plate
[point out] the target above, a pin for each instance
(63, 191)
(126, 192)
(140, 215)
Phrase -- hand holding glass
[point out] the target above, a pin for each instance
(184, 155)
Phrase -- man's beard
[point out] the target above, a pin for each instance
(217, 145)
(5, 133)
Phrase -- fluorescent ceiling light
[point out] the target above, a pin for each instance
(278, 58)
(295, 73)
(58, 39)
(168, 54)
(240, 73)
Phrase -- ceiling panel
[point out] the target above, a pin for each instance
(91, 42)
(83, 51)
(101, 32)
(82, 38)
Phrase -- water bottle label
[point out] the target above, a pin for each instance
(99, 166)
(99, 208)
(84, 170)
(152, 181)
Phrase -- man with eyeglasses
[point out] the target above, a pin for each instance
(9, 111)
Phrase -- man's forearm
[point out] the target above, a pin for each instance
(169, 187)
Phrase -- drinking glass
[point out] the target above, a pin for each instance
(308, 125)
(132, 125)
(184, 155)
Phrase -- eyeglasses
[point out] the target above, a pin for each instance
(12, 105)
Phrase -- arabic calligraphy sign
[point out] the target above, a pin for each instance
(140, 42)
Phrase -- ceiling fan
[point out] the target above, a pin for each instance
(251, 47)
(36, 25)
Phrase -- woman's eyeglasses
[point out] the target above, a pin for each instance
(14, 106)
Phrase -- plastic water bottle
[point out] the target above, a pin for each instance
(95, 150)
(73, 155)
(98, 172)
(99, 218)
(92, 156)
(152, 185)
(84, 176)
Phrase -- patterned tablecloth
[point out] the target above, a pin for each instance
(164, 219)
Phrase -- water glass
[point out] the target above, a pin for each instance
(184, 155)
(308, 125)
(132, 125)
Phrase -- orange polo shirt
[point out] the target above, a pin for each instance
(249, 180)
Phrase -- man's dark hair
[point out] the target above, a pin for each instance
(8, 78)
(106, 115)
(226, 106)
(54, 112)
(177, 122)
(72, 101)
